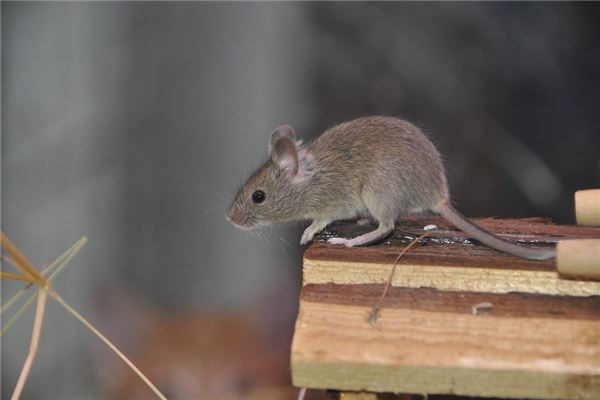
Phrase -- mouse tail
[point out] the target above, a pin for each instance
(476, 232)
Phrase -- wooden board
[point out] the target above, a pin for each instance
(449, 261)
(537, 337)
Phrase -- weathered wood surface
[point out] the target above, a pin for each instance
(460, 319)
(450, 261)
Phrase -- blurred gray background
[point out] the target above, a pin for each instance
(134, 123)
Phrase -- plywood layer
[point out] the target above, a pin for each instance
(449, 261)
(459, 319)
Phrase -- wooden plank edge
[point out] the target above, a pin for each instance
(456, 381)
(475, 355)
(445, 278)
(513, 305)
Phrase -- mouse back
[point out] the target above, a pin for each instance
(386, 155)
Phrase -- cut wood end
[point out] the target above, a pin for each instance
(587, 207)
(579, 257)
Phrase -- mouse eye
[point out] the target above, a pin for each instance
(258, 196)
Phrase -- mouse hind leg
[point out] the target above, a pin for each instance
(383, 216)
(382, 231)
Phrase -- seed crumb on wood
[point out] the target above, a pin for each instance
(482, 308)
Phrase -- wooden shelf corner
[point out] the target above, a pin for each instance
(460, 318)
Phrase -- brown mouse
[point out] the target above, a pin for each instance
(378, 167)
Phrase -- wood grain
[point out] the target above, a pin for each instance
(514, 305)
(419, 351)
(449, 261)
(460, 318)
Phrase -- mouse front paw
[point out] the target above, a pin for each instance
(306, 237)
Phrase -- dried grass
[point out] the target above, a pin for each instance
(29, 274)
(374, 313)
(35, 338)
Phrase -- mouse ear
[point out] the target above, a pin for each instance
(281, 132)
(285, 155)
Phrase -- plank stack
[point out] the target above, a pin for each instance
(460, 318)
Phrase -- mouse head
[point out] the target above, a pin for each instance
(272, 194)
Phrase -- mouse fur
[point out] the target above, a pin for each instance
(377, 167)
